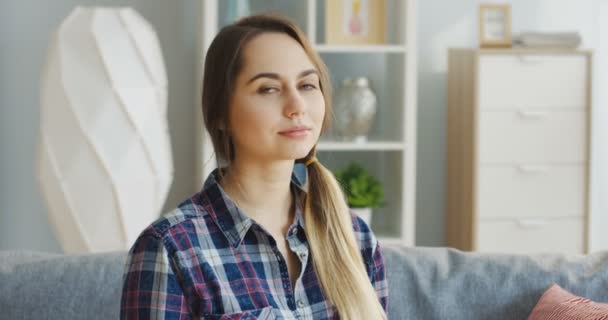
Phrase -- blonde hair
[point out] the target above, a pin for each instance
(335, 252)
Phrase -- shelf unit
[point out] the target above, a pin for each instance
(323, 48)
(390, 152)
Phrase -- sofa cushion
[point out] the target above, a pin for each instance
(557, 303)
(36, 285)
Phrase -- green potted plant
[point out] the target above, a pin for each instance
(363, 192)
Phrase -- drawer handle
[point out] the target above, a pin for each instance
(531, 223)
(533, 115)
(524, 168)
(529, 59)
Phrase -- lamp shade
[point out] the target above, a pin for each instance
(105, 164)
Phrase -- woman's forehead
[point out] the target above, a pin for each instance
(275, 53)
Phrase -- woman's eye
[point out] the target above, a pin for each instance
(309, 86)
(267, 90)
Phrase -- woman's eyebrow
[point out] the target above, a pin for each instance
(307, 72)
(276, 76)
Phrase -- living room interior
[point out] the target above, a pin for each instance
(477, 128)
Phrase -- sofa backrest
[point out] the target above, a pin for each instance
(424, 283)
(442, 283)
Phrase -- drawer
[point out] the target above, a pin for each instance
(526, 191)
(532, 81)
(531, 236)
(532, 136)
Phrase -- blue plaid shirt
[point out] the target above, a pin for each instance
(208, 260)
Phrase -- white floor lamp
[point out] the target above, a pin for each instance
(105, 163)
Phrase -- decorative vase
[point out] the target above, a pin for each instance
(355, 109)
(105, 163)
(364, 213)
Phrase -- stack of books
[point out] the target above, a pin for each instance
(547, 39)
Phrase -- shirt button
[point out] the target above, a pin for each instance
(300, 303)
(303, 255)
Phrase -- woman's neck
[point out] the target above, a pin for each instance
(262, 191)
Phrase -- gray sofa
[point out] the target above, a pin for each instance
(424, 283)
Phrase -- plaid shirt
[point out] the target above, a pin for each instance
(208, 260)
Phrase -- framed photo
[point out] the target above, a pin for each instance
(354, 21)
(495, 25)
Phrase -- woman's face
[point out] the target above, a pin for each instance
(276, 92)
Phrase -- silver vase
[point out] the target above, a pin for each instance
(355, 109)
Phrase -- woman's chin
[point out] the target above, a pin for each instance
(297, 153)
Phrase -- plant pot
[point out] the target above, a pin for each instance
(364, 213)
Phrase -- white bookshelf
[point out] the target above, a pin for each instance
(323, 48)
(353, 146)
(390, 153)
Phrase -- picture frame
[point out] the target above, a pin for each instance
(354, 22)
(495, 25)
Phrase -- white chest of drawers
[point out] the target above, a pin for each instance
(518, 150)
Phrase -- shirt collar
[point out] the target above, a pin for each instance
(231, 220)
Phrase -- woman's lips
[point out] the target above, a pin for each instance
(299, 133)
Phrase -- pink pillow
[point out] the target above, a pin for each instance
(557, 303)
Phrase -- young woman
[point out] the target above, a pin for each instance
(260, 241)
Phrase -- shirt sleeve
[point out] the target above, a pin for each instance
(151, 289)
(378, 276)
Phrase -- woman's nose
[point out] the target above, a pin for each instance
(294, 104)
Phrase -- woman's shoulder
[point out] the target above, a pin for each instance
(187, 217)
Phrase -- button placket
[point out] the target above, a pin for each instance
(285, 279)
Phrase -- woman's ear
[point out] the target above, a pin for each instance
(223, 128)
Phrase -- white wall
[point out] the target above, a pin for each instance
(599, 182)
(25, 27)
(454, 23)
